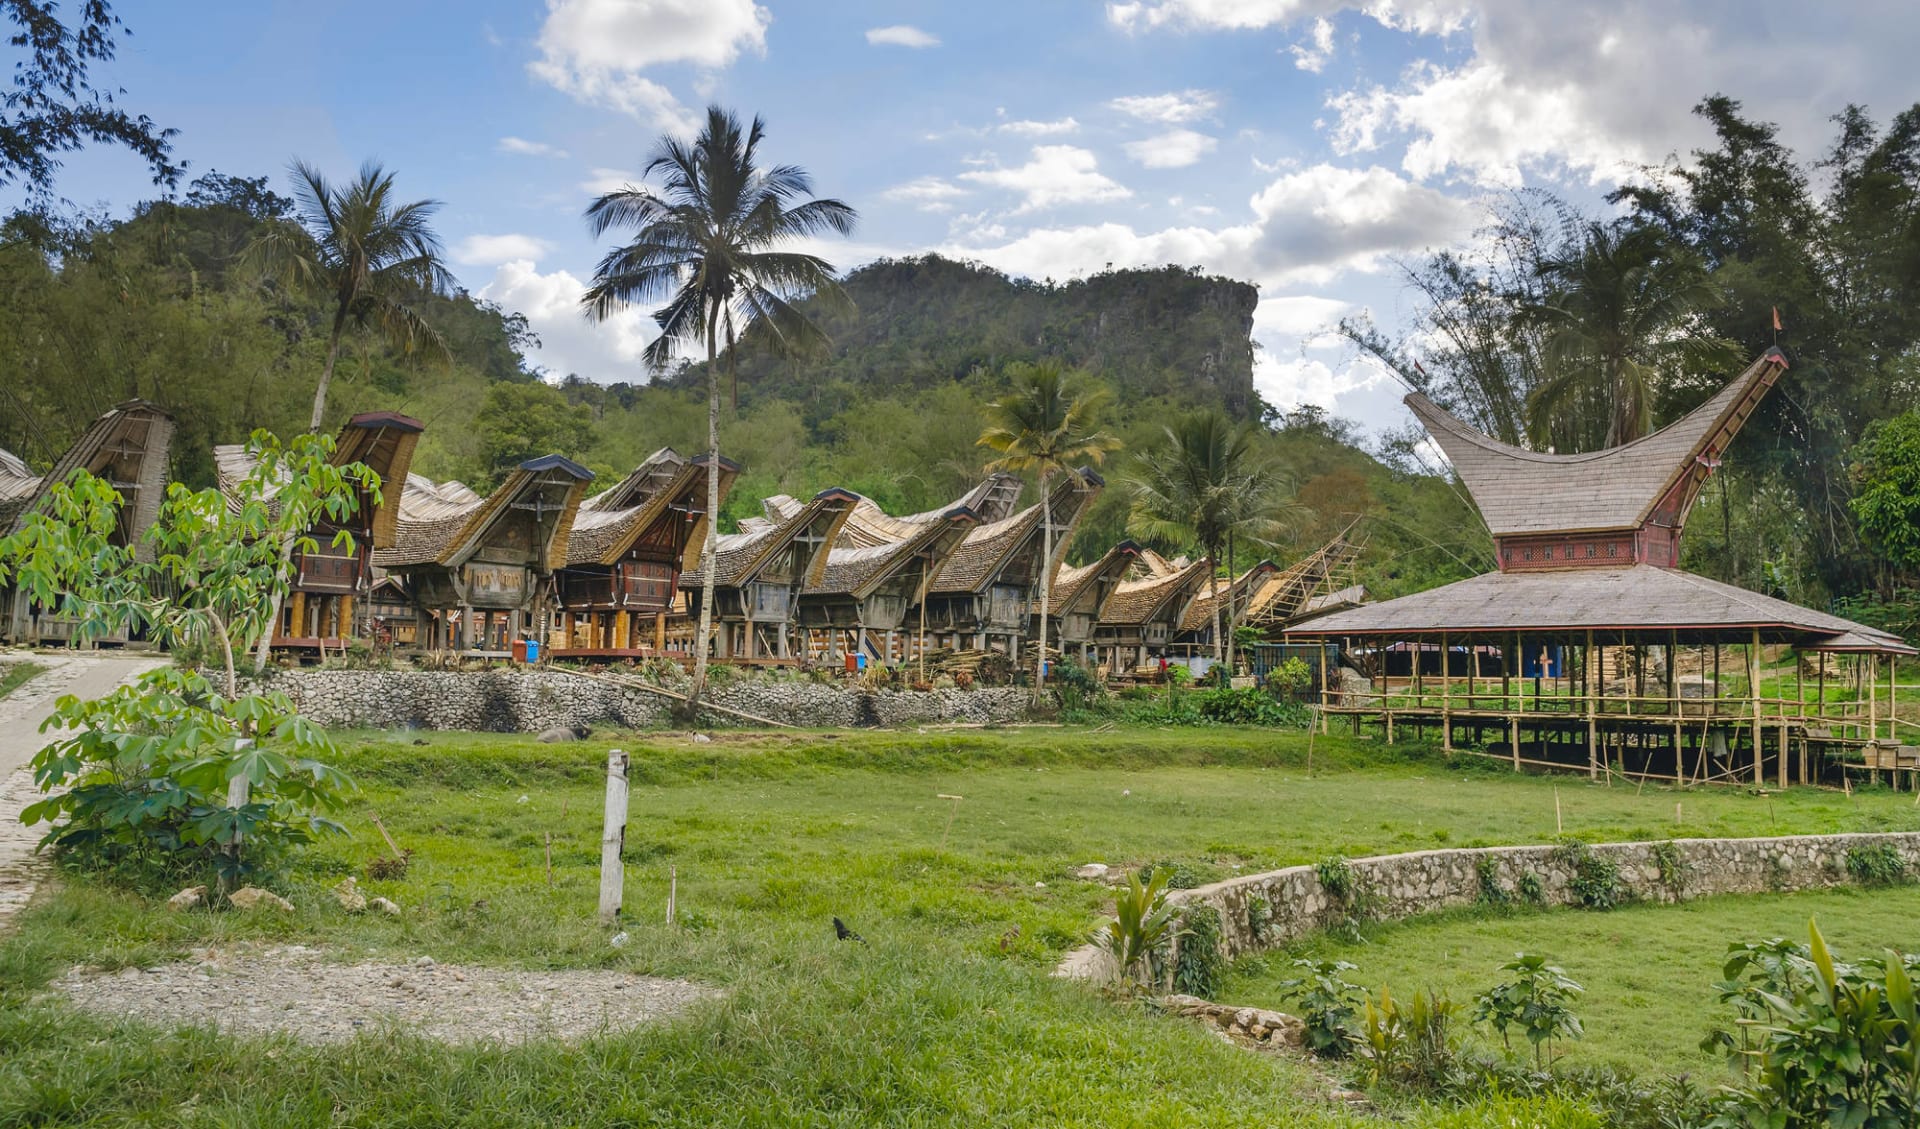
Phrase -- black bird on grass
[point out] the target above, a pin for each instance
(841, 932)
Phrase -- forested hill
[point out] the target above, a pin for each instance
(923, 322)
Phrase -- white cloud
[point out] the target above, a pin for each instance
(606, 351)
(1053, 175)
(928, 193)
(901, 35)
(1029, 128)
(1174, 149)
(492, 250)
(1171, 108)
(1427, 17)
(1312, 54)
(594, 50)
(1297, 315)
(525, 148)
(599, 182)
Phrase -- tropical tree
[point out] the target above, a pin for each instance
(52, 105)
(711, 241)
(375, 256)
(1048, 421)
(1207, 484)
(1622, 305)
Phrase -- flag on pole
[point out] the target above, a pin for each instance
(1777, 327)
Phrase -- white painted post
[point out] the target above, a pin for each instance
(613, 837)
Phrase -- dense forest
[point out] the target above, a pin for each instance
(1559, 331)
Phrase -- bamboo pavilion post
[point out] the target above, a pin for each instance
(1593, 727)
(1873, 702)
(1673, 703)
(1446, 695)
(1753, 696)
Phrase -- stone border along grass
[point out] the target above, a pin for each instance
(529, 701)
(1278, 907)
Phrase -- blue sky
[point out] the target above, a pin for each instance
(1303, 145)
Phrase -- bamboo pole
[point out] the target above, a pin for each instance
(1446, 696)
(1593, 727)
(1753, 694)
(613, 838)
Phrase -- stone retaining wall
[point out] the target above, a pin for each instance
(528, 701)
(1393, 887)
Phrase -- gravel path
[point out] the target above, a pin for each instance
(88, 674)
(296, 990)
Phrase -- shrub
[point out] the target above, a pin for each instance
(1672, 868)
(1291, 679)
(1876, 864)
(1259, 916)
(1327, 1005)
(148, 769)
(1530, 887)
(1199, 966)
(1410, 1043)
(1757, 976)
(1487, 869)
(1536, 1002)
(1142, 922)
(1596, 878)
(1076, 685)
(1179, 874)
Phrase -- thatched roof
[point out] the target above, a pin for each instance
(812, 528)
(1156, 595)
(445, 524)
(985, 553)
(382, 441)
(1528, 492)
(1086, 588)
(990, 501)
(858, 571)
(1636, 598)
(1237, 595)
(664, 487)
(127, 447)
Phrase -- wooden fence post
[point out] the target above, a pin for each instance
(613, 838)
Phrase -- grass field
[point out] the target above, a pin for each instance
(1648, 970)
(14, 675)
(949, 1016)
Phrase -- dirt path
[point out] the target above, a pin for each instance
(86, 674)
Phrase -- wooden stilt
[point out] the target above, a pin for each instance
(1753, 695)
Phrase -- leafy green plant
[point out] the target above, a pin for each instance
(1487, 869)
(1180, 874)
(1410, 1043)
(1536, 1002)
(1198, 968)
(1530, 888)
(147, 772)
(1328, 1005)
(1595, 880)
(1291, 678)
(1842, 1048)
(1876, 864)
(1671, 866)
(1142, 921)
(1756, 976)
(1076, 685)
(1336, 876)
(1259, 917)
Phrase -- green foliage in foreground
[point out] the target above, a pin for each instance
(949, 1015)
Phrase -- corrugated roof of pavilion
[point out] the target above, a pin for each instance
(986, 550)
(383, 441)
(739, 557)
(135, 428)
(662, 487)
(442, 523)
(1638, 597)
(1521, 492)
(1135, 602)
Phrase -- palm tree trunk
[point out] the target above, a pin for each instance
(1233, 607)
(1213, 594)
(711, 544)
(326, 373)
(1046, 589)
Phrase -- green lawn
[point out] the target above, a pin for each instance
(948, 1017)
(1648, 970)
(14, 675)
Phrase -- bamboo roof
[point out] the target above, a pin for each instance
(1087, 588)
(18, 485)
(1198, 615)
(664, 487)
(990, 501)
(859, 570)
(384, 442)
(984, 554)
(126, 446)
(1530, 492)
(1635, 598)
(739, 558)
(445, 524)
(1143, 599)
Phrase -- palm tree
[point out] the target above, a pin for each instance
(1206, 484)
(1046, 422)
(374, 256)
(709, 243)
(1620, 306)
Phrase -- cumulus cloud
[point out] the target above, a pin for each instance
(606, 351)
(1174, 149)
(599, 182)
(1298, 315)
(1312, 53)
(901, 35)
(1427, 17)
(1169, 109)
(525, 148)
(1053, 175)
(492, 250)
(1029, 128)
(595, 50)
(928, 193)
